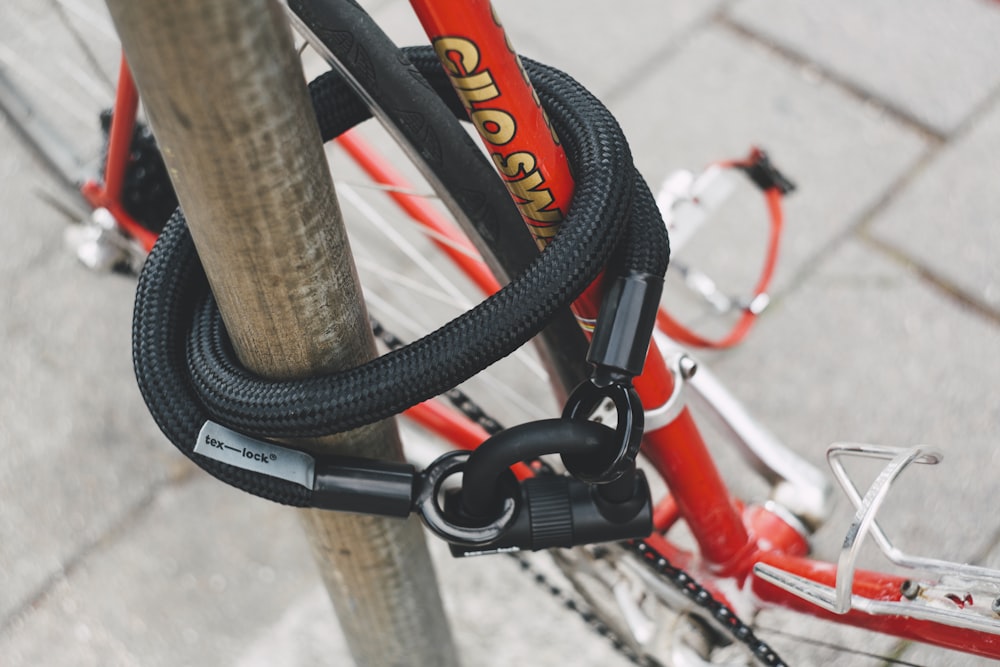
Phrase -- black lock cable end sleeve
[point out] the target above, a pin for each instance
(186, 367)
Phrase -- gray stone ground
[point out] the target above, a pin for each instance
(884, 327)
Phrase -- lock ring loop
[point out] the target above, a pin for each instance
(447, 527)
(581, 405)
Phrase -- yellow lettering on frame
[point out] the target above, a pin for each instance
(535, 199)
(515, 164)
(473, 81)
(466, 52)
(495, 125)
(484, 94)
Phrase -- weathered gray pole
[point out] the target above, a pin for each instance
(224, 93)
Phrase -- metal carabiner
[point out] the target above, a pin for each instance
(607, 466)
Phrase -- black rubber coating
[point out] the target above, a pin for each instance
(188, 373)
(524, 442)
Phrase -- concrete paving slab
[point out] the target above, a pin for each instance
(934, 61)
(947, 219)
(481, 624)
(72, 424)
(196, 577)
(210, 576)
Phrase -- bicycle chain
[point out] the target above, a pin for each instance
(698, 594)
(592, 620)
(678, 578)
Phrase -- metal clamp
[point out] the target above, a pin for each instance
(682, 367)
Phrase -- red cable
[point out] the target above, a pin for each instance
(686, 336)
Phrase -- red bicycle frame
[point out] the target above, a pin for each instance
(731, 537)
(107, 193)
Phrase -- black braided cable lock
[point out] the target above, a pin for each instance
(187, 370)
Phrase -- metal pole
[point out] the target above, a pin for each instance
(222, 87)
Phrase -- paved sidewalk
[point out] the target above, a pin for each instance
(884, 327)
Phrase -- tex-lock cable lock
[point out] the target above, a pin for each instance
(188, 373)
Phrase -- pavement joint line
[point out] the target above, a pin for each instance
(923, 161)
(61, 207)
(130, 518)
(859, 230)
(859, 227)
(854, 90)
(660, 57)
(981, 110)
(929, 277)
